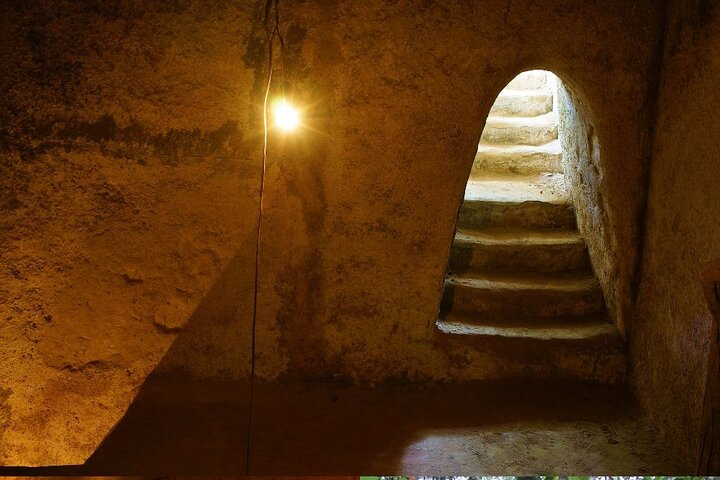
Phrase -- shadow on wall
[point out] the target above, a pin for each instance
(190, 414)
(196, 400)
(215, 344)
(708, 457)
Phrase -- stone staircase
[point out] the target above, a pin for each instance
(519, 273)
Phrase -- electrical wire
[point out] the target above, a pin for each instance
(271, 35)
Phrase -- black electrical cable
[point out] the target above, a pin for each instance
(270, 36)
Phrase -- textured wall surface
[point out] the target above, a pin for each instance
(586, 169)
(129, 159)
(130, 150)
(671, 338)
(361, 209)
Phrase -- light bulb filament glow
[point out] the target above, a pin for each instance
(286, 116)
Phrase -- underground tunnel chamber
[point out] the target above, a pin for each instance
(517, 243)
(519, 271)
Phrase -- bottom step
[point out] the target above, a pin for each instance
(590, 350)
(580, 328)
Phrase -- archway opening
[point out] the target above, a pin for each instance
(519, 268)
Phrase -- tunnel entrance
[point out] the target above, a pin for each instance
(519, 268)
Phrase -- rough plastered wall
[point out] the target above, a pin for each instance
(361, 204)
(130, 162)
(129, 166)
(671, 336)
(588, 168)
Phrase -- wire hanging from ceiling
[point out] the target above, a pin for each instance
(272, 33)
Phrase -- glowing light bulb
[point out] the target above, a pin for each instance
(286, 116)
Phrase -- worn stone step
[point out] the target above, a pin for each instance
(520, 130)
(519, 250)
(530, 80)
(529, 214)
(522, 103)
(590, 350)
(567, 327)
(563, 326)
(517, 159)
(534, 202)
(527, 294)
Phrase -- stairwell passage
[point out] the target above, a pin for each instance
(519, 271)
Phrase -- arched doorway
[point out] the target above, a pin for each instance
(519, 268)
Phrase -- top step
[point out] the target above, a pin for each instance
(532, 80)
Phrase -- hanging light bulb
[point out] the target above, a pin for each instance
(287, 117)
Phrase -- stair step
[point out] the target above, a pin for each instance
(581, 332)
(521, 130)
(530, 80)
(591, 351)
(522, 103)
(517, 159)
(539, 202)
(518, 250)
(528, 294)
(563, 326)
(484, 213)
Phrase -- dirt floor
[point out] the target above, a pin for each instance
(490, 427)
(183, 428)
